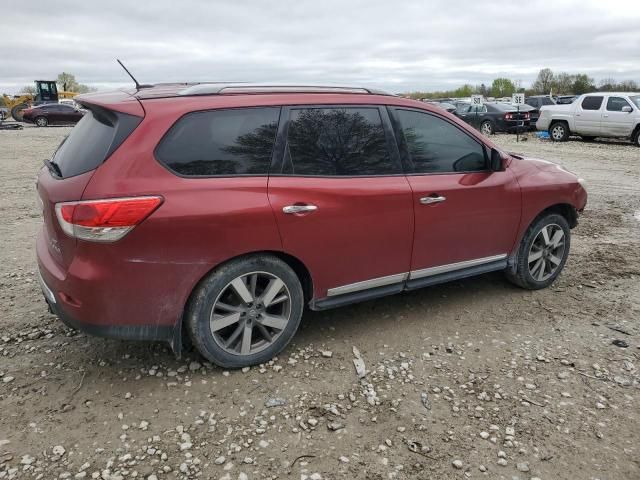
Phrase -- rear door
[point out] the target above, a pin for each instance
(615, 122)
(465, 215)
(588, 115)
(342, 204)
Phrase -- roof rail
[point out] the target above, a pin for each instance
(231, 88)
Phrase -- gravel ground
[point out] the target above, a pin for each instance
(473, 379)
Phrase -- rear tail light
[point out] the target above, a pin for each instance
(105, 220)
(508, 116)
(526, 116)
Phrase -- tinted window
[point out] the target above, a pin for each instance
(92, 140)
(592, 103)
(435, 145)
(221, 142)
(337, 141)
(615, 104)
(547, 101)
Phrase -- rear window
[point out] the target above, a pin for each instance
(331, 142)
(92, 140)
(221, 142)
(592, 103)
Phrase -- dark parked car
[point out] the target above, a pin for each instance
(537, 102)
(495, 117)
(52, 114)
(222, 211)
(449, 107)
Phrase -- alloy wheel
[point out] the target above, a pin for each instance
(546, 252)
(557, 132)
(486, 129)
(250, 313)
(41, 122)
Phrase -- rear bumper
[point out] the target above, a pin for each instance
(89, 299)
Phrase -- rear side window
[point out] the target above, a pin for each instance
(592, 103)
(615, 104)
(92, 140)
(221, 142)
(547, 101)
(337, 142)
(436, 146)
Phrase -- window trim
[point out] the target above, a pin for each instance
(404, 152)
(283, 130)
(616, 96)
(237, 175)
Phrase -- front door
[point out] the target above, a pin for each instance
(340, 200)
(465, 215)
(615, 122)
(588, 115)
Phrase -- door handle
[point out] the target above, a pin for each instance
(292, 209)
(429, 200)
(605, 116)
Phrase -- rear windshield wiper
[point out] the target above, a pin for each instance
(53, 167)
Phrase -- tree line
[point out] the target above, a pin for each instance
(547, 82)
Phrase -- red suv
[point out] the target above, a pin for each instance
(221, 211)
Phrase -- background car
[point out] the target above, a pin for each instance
(537, 102)
(565, 99)
(495, 117)
(449, 107)
(53, 114)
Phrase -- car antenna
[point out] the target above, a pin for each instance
(138, 86)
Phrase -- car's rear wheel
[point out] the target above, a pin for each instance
(559, 132)
(636, 138)
(41, 121)
(543, 252)
(486, 128)
(246, 311)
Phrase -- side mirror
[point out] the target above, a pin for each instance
(627, 109)
(496, 162)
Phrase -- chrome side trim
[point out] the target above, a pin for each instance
(365, 285)
(428, 272)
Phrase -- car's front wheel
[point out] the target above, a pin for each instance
(559, 132)
(542, 253)
(42, 121)
(245, 312)
(636, 138)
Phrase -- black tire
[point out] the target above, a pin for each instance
(217, 284)
(16, 111)
(587, 138)
(636, 137)
(486, 128)
(559, 132)
(41, 121)
(521, 273)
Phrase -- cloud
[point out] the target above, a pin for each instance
(407, 45)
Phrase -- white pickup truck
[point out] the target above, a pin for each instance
(602, 114)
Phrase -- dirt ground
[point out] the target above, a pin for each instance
(473, 379)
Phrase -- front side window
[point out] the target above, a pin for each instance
(337, 142)
(437, 146)
(592, 103)
(221, 142)
(615, 104)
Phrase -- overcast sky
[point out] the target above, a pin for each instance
(399, 46)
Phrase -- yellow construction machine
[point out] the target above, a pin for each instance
(46, 92)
